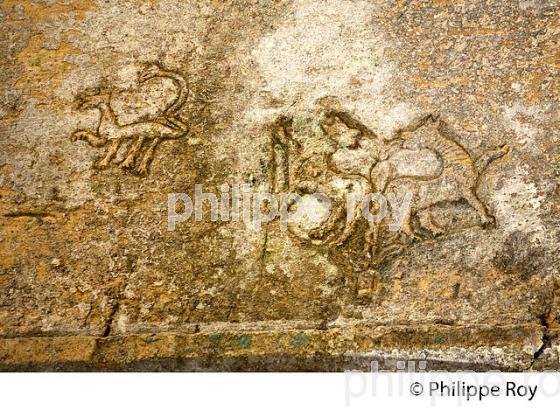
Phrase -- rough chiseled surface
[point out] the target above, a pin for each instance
(91, 278)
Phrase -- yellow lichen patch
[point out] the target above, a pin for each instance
(5, 193)
(167, 298)
(25, 237)
(422, 82)
(441, 3)
(44, 69)
(6, 169)
(33, 234)
(40, 12)
(476, 31)
(42, 272)
(553, 59)
(47, 350)
(533, 92)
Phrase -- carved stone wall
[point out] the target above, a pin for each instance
(107, 108)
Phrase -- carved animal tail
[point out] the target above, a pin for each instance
(285, 153)
(183, 93)
(485, 159)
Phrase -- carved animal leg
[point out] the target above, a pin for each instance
(381, 174)
(174, 123)
(370, 247)
(388, 252)
(473, 201)
(148, 156)
(111, 151)
(349, 227)
(133, 153)
(406, 226)
(88, 136)
(365, 285)
(178, 124)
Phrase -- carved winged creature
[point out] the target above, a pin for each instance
(166, 126)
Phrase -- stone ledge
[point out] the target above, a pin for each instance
(481, 348)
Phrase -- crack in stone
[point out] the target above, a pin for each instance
(546, 341)
(109, 323)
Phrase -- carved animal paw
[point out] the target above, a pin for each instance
(437, 231)
(127, 163)
(422, 235)
(77, 136)
(176, 123)
(364, 295)
(489, 222)
(102, 164)
(142, 169)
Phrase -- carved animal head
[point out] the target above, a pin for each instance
(430, 121)
(91, 98)
(150, 71)
(338, 128)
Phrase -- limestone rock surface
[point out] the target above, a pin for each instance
(109, 107)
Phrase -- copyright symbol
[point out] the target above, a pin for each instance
(416, 389)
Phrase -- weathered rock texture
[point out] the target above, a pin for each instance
(454, 101)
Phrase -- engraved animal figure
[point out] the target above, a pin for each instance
(456, 179)
(168, 118)
(110, 132)
(341, 168)
(301, 169)
(423, 158)
(357, 150)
